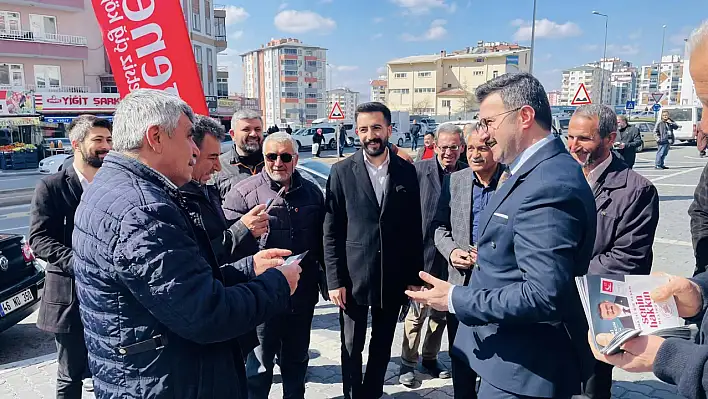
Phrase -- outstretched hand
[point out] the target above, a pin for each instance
(434, 295)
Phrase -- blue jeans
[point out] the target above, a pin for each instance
(414, 142)
(661, 153)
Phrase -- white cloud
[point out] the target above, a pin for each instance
(344, 68)
(381, 70)
(545, 29)
(282, 6)
(622, 49)
(378, 20)
(292, 21)
(235, 35)
(420, 7)
(236, 15)
(435, 32)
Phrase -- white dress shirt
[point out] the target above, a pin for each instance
(594, 175)
(82, 179)
(378, 175)
(513, 168)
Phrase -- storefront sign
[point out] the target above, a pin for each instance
(149, 48)
(16, 102)
(227, 106)
(69, 119)
(76, 102)
(19, 121)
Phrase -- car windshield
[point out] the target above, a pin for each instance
(564, 123)
(318, 167)
(681, 114)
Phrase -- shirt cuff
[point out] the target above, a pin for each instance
(450, 307)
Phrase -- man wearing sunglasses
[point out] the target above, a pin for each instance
(295, 218)
(522, 326)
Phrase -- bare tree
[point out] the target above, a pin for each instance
(421, 107)
(469, 102)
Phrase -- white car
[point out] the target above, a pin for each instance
(304, 137)
(51, 165)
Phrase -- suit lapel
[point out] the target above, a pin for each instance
(362, 177)
(72, 180)
(467, 203)
(390, 184)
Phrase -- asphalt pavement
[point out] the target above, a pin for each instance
(27, 363)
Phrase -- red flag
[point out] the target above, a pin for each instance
(149, 48)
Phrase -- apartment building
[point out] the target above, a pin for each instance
(444, 83)
(347, 99)
(553, 97)
(595, 79)
(664, 77)
(378, 89)
(623, 80)
(53, 65)
(289, 79)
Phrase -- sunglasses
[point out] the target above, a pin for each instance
(285, 157)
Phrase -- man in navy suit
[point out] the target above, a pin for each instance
(522, 326)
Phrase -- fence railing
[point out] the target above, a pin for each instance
(41, 37)
(54, 89)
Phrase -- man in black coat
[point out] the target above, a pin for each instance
(448, 146)
(52, 223)
(628, 140)
(627, 209)
(373, 247)
(296, 220)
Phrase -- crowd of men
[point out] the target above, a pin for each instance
(167, 273)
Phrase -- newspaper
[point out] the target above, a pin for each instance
(622, 306)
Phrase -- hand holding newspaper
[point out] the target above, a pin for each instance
(622, 306)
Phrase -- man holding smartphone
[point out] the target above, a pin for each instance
(664, 132)
(463, 197)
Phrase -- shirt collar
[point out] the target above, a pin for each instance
(594, 175)
(82, 179)
(495, 177)
(383, 165)
(528, 153)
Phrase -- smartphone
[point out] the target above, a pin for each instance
(295, 258)
(271, 201)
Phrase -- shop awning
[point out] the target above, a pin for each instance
(69, 119)
(19, 121)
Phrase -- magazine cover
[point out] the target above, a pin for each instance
(609, 304)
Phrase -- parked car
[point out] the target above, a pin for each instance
(688, 118)
(561, 124)
(646, 129)
(304, 137)
(55, 145)
(315, 171)
(227, 143)
(52, 164)
(396, 138)
(21, 280)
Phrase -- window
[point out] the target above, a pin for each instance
(308, 52)
(12, 75)
(43, 26)
(446, 103)
(290, 51)
(210, 71)
(10, 22)
(424, 74)
(290, 73)
(311, 106)
(196, 15)
(495, 74)
(312, 64)
(198, 59)
(290, 84)
(478, 73)
(400, 75)
(425, 90)
(47, 76)
(290, 62)
(207, 17)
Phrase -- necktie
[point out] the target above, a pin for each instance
(506, 174)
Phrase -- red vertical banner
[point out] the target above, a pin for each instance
(148, 47)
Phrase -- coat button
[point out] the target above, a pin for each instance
(494, 245)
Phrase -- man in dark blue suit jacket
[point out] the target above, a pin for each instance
(522, 325)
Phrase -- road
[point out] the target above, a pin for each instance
(15, 182)
(673, 253)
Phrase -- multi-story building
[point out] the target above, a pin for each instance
(222, 81)
(53, 63)
(688, 89)
(623, 80)
(595, 79)
(553, 97)
(289, 79)
(444, 84)
(347, 99)
(663, 77)
(378, 89)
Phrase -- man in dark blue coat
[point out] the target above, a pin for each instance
(522, 327)
(158, 319)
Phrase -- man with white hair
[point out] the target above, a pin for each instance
(675, 361)
(158, 320)
(296, 217)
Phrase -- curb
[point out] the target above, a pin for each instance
(22, 196)
(27, 173)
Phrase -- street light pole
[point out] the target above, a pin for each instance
(604, 56)
(533, 36)
(661, 62)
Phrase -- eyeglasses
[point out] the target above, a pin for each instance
(483, 125)
(285, 157)
(449, 147)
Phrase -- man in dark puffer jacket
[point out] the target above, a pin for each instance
(295, 223)
(157, 317)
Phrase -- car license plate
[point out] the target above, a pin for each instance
(16, 302)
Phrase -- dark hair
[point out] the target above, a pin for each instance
(517, 90)
(79, 127)
(204, 125)
(429, 134)
(370, 108)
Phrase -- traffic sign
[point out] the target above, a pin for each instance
(657, 96)
(336, 112)
(581, 96)
(629, 105)
(656, 107)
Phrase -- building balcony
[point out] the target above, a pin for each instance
(43, 45)
(65, 5)
(55, 89)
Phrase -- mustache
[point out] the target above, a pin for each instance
(374, 140)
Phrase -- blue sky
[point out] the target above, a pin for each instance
(361, 35)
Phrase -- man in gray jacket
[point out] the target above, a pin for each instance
(664, 132)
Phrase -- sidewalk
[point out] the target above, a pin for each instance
(34, 378)
(23, 172)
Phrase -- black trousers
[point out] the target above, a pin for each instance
(72, 364)
(353, 323)
(599, 385)
(288, 337)
(464, 379)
